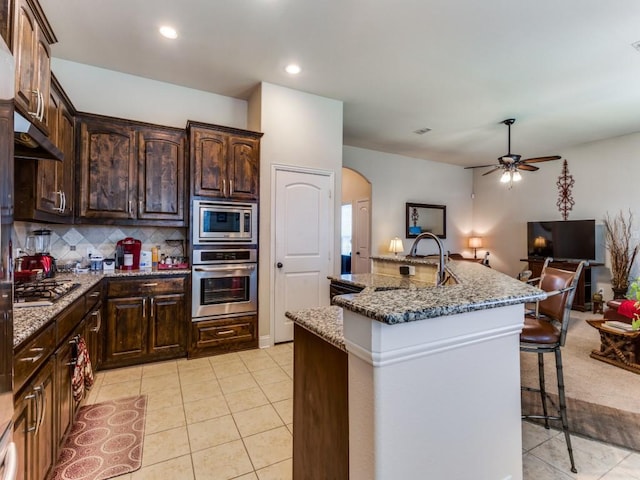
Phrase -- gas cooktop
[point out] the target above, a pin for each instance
(41, 293)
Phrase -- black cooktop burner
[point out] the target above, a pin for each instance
(42, 292)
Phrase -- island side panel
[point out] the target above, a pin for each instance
(320, 409)
(436, 398)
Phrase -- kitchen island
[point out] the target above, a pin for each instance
(433, 382)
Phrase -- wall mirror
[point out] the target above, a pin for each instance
(422, 217)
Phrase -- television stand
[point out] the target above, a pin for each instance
(582, 299)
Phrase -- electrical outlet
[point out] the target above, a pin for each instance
(72, 248)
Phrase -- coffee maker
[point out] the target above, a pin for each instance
(38, 246)
(128, 254)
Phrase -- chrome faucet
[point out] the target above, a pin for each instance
(414, 249)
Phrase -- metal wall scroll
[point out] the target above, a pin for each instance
(565, 183)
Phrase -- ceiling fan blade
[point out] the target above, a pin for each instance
(542, 159)
(491, 171)
(481, 166)
(529, 168)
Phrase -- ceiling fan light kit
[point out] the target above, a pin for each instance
(511, 163)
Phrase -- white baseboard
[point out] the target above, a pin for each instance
(265, 341)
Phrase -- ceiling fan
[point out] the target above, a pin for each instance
(512, 162)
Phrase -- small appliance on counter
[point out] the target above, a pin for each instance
(38, 258)
(108, 264)
(128, 254)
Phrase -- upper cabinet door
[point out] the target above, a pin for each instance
(107, 171)
(161, 161)
(242, 169)
(225, 162)
(31, 48)
(24, 51)
(209, 151)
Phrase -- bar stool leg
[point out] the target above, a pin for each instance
(543, 393)
(563, 408)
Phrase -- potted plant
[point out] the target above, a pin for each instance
(621, 252)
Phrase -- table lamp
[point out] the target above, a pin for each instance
(396, 246)
(475, 243)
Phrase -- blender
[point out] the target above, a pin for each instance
(38, 246)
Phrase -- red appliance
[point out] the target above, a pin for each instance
(129, 248)
(40, 261)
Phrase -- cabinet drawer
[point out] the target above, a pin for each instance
(212, 333)
(93, 296)
(147, 286)
(71, 316)
(28, 358)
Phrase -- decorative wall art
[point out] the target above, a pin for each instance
(565, 183)
(421, 217)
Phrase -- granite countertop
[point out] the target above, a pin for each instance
(326, 322)
(377, 282)
(478, 288)
(28, 320)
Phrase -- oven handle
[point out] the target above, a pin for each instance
(225, 268)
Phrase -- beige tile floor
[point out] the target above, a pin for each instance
(230, 417)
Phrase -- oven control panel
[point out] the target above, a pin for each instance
(201, 257)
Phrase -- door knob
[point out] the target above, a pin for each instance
(279, 264)
(357, 253)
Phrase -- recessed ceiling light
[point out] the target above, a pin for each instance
(293, 69)
(422, 131)
(636, 45)
(168, 32)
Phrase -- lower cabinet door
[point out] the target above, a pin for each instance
(126, 330)
(23, 428)
(64, 401)
(45, 436)
(167, 325)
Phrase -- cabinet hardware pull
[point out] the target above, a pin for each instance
(38, 391)
(33, 396)
(98, 315)
(37, 112)
(130, 208)
(43, 396)
(32, 359)
(151, 307)
(41, 116)
(224, 187)
(226, 332)
(140, 206)
(94, 294)
(70, 364)
(230, 188)
(36, 349)
(64, 201)
(144, 308)
(150, 284)
(60, 208)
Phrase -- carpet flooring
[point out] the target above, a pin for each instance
(104, 442)
(603, 401)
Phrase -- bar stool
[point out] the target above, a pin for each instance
(545, 331)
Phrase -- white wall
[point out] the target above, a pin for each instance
(106, 92)
(606, 177)
(396, 180)
(303, 130)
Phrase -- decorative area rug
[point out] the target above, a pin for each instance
(105, 441)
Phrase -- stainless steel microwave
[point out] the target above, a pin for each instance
(224, 222)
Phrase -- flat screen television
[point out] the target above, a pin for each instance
(562, 240)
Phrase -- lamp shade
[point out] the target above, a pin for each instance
(396, 246)
(475, 242)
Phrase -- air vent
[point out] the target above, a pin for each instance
(422, 131)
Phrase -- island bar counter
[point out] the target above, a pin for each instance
(433, 377)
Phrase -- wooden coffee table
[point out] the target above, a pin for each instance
(617, 347)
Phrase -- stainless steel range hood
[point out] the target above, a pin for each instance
(31, 143)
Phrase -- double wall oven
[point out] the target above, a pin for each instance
(224, 262)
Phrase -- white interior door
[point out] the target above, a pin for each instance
(360, 262)
(303, 244)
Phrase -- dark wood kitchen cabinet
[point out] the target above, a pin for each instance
(222, 335)
(146, 320)
(34, 428)
(130, 172)
(44, 188)
(32, 38)
(225, 162)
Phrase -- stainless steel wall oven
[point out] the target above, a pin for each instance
(224, 282)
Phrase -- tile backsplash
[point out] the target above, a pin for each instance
(70, 243)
